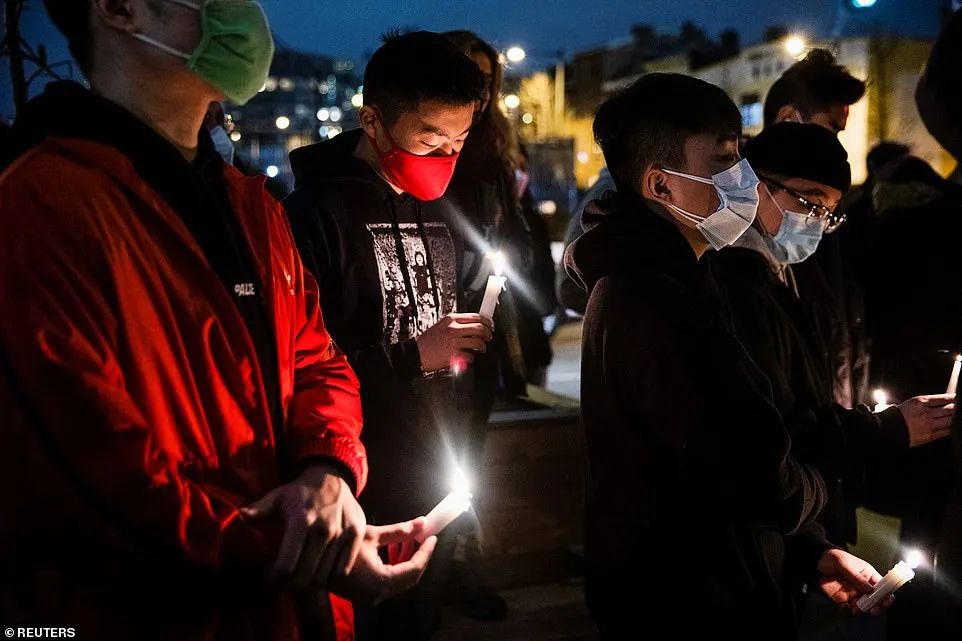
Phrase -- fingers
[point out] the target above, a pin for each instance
(472, 318)
(336, 547)
(350, 548)
(295, 536)
(405, 576)
(262, 506)
(471, 344)
(476, 330)
(936, 400)
(396, 532)
(310, 558)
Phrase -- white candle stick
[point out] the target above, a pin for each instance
(496, 283)
(898, 576)
(881, 401)
(456, 503)
(954, 377)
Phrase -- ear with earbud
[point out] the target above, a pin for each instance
(654, 186)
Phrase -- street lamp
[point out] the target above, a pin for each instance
(795, 45)
(515, 54)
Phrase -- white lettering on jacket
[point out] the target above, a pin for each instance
(244, 289)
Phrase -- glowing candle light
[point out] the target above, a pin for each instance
(881, 400)
(954, 377)
(496, 283)
(902, 573)
(456, 503)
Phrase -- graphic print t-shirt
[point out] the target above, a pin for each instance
(435, 292)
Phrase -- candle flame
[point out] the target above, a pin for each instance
(880, 397)
(459, 483)
(498, 261)
(914, 558)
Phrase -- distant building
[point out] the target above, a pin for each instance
(306, 98)
(891, 65)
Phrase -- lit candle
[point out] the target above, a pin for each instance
(902, 573)
(456, 503)
(496, 283)
(954, 377)
(881, 400)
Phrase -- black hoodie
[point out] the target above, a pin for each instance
(691, 491)
(372, 252)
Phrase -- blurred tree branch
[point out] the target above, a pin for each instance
(20, 53)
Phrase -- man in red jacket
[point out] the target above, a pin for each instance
(175, 421)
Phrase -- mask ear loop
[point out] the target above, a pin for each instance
(160, 45)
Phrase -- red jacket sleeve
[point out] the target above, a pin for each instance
(325, 413)
(58, 340)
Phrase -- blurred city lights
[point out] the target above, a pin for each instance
(548, 207)
(515, 54)
(282, 122)
(323, 114)
(235, 136)
(795, 45)
(863, 4)
(511, 101)
(527, 119)
(272, 171)
(357, 100)
(335, 114)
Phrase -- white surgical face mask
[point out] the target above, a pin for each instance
(797, 237)
(737, 189)
(223, 144)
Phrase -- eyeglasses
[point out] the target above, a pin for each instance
(814, 210)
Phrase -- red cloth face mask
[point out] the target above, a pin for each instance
(424, 177)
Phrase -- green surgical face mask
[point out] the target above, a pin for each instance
(235, 50)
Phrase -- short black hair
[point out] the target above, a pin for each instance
(649, 122)
(72, 19)
(884, 153)
(419, 66)
(812, 85)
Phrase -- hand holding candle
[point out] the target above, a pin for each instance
(902, 573)
(456, 503)
(495, 286)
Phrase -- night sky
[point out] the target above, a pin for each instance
(351, 28)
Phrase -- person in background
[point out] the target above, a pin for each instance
(815, 90)
(820, 91)
(689, 468)
(485, 207)
(179, 444)
(938, 95)
(940, 104)
(370, 219)
(804, 173)
(539, 300)
(913, 311)
(564, 286)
